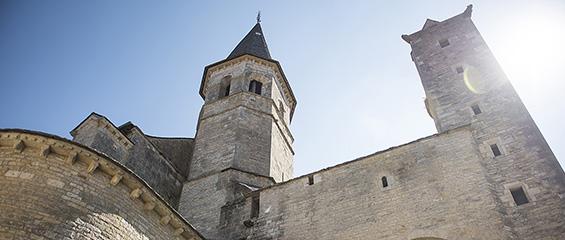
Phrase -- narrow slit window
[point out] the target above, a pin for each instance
(444, 43)
(310, 180)
(255, 86)
(459, 69)
(476, 109)
(255, 206)
(384, 181)
(519, 196)
(495, 150)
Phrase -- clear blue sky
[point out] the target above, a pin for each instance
(358, 91)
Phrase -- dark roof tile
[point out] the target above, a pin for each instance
(253, 43)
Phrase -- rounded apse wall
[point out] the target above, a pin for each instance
(52, 188)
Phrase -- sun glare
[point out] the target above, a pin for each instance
(531, 51)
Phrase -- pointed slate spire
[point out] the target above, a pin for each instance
(253, 43)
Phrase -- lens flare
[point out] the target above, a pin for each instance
(474, 80)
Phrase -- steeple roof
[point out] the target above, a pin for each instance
(253, 43)
(252, 46)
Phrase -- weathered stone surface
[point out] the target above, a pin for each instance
(526, 160)
(239, 130)
(97, 132)
(177, 150)
(147, 162)
(449, 186)
(140, 153)
(204, 198)
(437, 188)
(243, 142)
(50, 198)
(232, 180)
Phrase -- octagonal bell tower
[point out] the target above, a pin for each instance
(243, 140)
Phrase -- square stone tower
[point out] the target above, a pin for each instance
(465, 85)
(243, 141)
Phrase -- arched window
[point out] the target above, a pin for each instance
(384, 181)
(255, 86)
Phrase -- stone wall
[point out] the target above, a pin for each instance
(150, 164)
(282, 153)
(129, 146)
(525, 159)
(97, 132)
(239, 130)
(282, 156)
(436, 188)
(177, 150)
(55, 189)
(241, 137)
(204, 198)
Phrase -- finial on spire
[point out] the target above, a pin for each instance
(258, 16)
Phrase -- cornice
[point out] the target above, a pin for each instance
(273, 64)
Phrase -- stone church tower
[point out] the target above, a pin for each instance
(243, 141)
(465, 85)
(487, 174)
